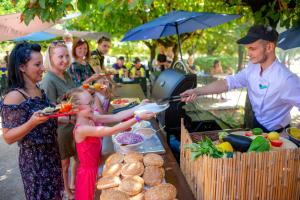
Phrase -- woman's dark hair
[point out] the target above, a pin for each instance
(19, 56)
(78, 42)
(216, 62)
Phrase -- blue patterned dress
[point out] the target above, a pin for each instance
(39, 159)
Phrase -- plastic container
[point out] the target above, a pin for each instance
(147, 133)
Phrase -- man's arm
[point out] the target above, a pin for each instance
(215, 87)
(230, 82)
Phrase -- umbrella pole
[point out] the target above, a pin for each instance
(178, 37)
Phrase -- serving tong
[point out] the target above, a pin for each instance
(168, 99)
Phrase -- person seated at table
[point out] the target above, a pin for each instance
(138, 70)
(161, 60)
(119, 66)
(217, 68)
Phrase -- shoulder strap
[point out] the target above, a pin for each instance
(22, 93)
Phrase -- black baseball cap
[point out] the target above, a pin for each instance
(256, 32)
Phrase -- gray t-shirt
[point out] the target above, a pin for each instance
(55, 87)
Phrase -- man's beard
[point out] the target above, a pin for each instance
(263, 59)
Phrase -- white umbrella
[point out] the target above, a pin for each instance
(11, 26)
(88, 35)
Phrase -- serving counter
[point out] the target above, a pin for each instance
(173, 173)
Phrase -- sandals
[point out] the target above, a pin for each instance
(68, 197)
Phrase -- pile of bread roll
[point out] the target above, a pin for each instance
(124, 177)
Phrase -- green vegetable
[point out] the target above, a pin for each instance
(257, 131)
(259, 144)
(204, 147)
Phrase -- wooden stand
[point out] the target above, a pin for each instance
(270, 175)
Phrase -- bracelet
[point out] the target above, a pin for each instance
(137, 118)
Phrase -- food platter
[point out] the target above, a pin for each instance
(122, 102)
(60, 110)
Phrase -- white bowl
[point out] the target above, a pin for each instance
(127, 147)
(147, 133)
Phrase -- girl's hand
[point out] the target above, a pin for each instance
(37, 118)
(145, 101)
(146, 115)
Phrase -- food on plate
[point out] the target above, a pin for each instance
(225, 147)
(259, 144)
(114, 158)
(95, 86)
(132, 169)
(132, 185)
(153, 175)
(146, 132)
(152, 159)
(164, 191)
(120, 101)
(273, 136)
(295, 132)
(108, 182)
(238, 142)
(248, 133)
(257, 131)
(133, 157)
(63, 107)
(114, 195)
(128, 138)
(112, 170)
(276, 143)
(49, 110)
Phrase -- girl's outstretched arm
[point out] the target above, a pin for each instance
(84, 131)
(112, 118)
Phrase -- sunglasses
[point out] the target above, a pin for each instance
(58, 43)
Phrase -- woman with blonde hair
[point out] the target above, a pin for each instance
(56, 83)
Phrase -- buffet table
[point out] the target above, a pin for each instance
(173, 173)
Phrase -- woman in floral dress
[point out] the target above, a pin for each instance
(39, 159)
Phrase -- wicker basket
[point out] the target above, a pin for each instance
(266, 176)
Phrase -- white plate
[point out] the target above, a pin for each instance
(286, 143)
(152, 107)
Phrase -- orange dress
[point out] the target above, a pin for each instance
(88, 152)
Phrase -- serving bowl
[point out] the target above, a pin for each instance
(128, 141)
(291, 137)
(147, 133)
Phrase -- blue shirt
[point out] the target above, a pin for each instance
(272, 94)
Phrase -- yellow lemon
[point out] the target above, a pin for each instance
(295, 132)
(225, 147)
(273, 136)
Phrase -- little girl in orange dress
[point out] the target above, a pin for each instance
(87, 134)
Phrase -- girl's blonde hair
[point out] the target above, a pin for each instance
(49, 53)
(72, 96)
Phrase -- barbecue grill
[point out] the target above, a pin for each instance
(172, 82)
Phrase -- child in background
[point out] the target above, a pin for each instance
(87, 135)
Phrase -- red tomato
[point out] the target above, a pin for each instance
(248, 133)
(276, 143)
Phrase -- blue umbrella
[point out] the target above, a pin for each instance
(37, 36)
(289, 39)
(177, 22)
